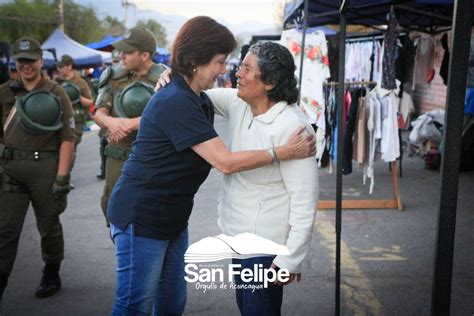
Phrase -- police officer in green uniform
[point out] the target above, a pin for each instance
(36, 148)
(103, 131)
(79, 94)
(78, 91)
(124, 90)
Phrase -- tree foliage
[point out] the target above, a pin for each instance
(19, 18)
(81, 23)
(113, 26)
(38, 19)
(157, 29)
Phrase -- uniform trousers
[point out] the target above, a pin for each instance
(25, 181)
(113, 170)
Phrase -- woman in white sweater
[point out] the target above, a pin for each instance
(278, 201)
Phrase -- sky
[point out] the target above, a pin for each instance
(243, 17)
(234, 11)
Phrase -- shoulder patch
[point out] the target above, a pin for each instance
(105, 76)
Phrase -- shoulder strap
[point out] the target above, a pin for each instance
(155, 72)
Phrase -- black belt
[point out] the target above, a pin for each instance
(11, 153)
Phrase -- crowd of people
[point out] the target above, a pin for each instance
(159, 148)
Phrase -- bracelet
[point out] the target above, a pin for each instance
(275, 153)
(272, 153)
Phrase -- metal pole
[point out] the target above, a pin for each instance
(458, 64)
(305, 26)
(61, 15)
(340, 117)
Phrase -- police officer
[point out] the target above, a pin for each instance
(36, 148)
(124, 90)
(79, 93)
(103, 131)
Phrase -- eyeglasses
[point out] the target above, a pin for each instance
(245, 70)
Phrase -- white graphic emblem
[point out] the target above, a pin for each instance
(24, 45)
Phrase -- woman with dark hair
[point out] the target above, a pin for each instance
(175, 148)
(278, 201)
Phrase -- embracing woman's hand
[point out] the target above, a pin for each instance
(165, 78)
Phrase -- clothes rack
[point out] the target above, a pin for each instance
(349, 83)
(393, 203)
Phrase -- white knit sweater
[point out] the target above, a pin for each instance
(278, 201)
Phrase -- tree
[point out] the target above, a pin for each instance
(113, 26)
(19, 18)
(81, 23)
(157, 29)
(38, 19)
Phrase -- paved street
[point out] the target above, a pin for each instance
(387, 255)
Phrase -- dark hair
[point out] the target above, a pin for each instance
(197, 42)
(277, 68)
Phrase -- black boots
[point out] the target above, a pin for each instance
(50, 282)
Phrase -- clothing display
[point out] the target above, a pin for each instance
(363, 61)
(370, 127)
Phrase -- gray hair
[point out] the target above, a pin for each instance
(277, 68)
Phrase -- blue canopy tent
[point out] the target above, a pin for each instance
(105, 43)
(429, 16)
(162, 55)
(60, 44)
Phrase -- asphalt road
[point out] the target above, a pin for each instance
(387, 255)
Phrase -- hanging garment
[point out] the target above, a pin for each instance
(407, 108)
(380, 65)
(315, 71)
(359, 137)
(443, 71)
(406, 58)
(352, 62)
(372, 59)
(390, 51)
(333, 55)
(367, 63)
(373, 135)
(424, 60)
(349, 132)
(390, 142)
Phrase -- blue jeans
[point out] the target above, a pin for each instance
(262, 302)
(150, 274)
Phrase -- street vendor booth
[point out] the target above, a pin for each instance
(390, 17)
